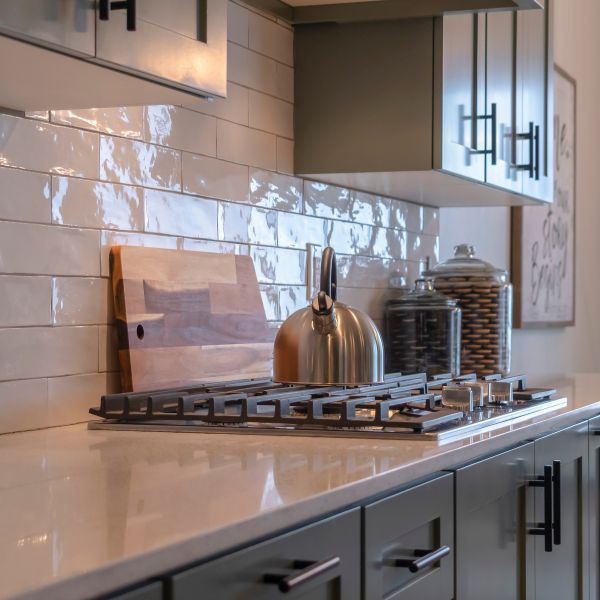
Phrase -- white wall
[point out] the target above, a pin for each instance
(555, 351)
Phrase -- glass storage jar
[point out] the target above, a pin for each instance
(485, 296)
(422, 332)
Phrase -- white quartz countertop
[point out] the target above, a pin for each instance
(85, 512)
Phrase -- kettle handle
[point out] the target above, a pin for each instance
(329, 273)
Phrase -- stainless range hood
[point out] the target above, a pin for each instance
(444, 111)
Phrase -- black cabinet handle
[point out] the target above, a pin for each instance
(106, 6)
(596, 432)
(545, 528)
(493, 151)
(556, 501)
(533, 137)
(308, 571)
(425, 559)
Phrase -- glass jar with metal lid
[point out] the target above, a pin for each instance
(485, 297)
(422, 332)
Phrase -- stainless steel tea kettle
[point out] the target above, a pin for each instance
(328, 343)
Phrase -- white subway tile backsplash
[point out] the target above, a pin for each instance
(37, 146)
(176, 214)
(48, 250)
(273, 190)
(181, 128)
(81, 301)
(271, 114)
(214, 178)
(24, 196)
(98, 205)
(25, 300)
(32, 352)
(246, 146)
(270, 38)
(247, 224)
(211, 176)
(133, 162)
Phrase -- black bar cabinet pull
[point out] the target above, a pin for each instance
(545, 528)
(537, 153)
(532, 138)
(308, 571)
(106, 6)
(493, 151)
(556, 501)
(425, 558)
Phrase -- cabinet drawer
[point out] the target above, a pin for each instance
(418, 519)
(332, 544)
(152, 591)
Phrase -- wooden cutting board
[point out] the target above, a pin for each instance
(187, 317)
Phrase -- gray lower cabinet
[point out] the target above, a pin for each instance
(152, 591)
(494, 505)
(318, 562)
(561, 566)
(594, 508)
(408, 544)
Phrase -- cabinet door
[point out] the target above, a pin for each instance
(494, 505)
(463, 84)
(181, 42)
(152, 591)
(594, 512)
(562, 573)
(500, 101)
(66, 24)
(321, 562)
(400, 529)
(534, 140)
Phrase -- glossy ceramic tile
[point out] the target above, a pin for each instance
(405, 215)
(215, 246)
(214, 178)
(363, 271)
(181, 129)
(122, 121)
(369, 209)
(271, 39)
(108, 358)
(285, 156)
(176, 214)
(233, 108)
(129, 161)
(273, 190)
(295, 231)
(370, 301)
(25, 300)
(108, 239)
(237, 24)
(38, 146)
(421, 247)
(325, 200)
(246, 146)
(240, 223)
(23, 405)
(70, 398)
(271, 114)
(431, 221)
(86, 203)
(48, 250)
(24, 196)
(270, 298)
(278, 265)
(81, 301)
(291, 299)
(47, 351)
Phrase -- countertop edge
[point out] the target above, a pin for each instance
(149, 565)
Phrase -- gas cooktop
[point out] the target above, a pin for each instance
(402, 407)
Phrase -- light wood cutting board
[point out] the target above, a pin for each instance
(187, 317)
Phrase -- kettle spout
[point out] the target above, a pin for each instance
(324, 319)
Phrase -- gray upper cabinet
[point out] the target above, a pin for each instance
(180, 42)
(62, 24)
(594, 509)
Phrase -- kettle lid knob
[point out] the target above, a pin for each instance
(322, 304)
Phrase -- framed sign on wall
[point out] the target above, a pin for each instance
(543, 237)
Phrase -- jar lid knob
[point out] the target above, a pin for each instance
(464, 250)
(424, 284)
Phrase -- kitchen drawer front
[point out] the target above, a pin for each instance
(420, 518)
(182, 43)
(152, 591)
(63, 24)
(241, 575)
(494, 505)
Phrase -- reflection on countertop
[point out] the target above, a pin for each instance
(80, 504)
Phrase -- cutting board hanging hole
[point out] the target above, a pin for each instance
(140, 332)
